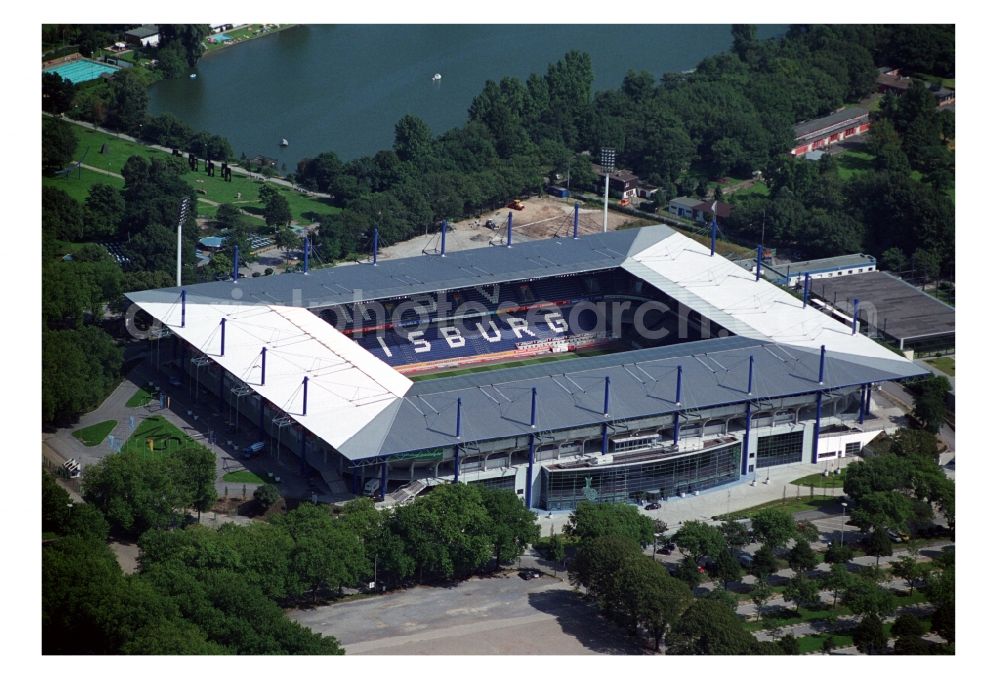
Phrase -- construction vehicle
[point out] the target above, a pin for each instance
(516, 205)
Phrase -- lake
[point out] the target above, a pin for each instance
(344, 87)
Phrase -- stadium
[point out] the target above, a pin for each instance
(629, 364)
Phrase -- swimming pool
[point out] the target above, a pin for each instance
(81, 70)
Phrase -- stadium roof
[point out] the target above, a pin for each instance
(393, 278)
(365, 409)
(900, 310)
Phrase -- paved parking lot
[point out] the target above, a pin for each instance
(501, 615)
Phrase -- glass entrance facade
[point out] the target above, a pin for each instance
(620, 482)
(779, 449)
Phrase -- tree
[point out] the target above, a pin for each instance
(801, 557)
(276, 209)
(837, 553)
(196, 473)
(907, 624)
(878, 544)
(838, 580)
(56, 505)
(802, 591)
(929, 403)
(57, 93)
(789, 644)
(62, 217)
(699, 539)
(710, 628)
(79, 369)
(773, 527)
(865, 597)
(127, 106)
(190, 38)
(591, 520)
(103, 211)
(909, 569)
(760, 593)
(325, 554)
(266, 495)
(869, 635)
(513, 525)
(744, 38)
(892, 259)
(412, 140)
(727, 568)
(737, 535)
(764, 564)
(58, 145)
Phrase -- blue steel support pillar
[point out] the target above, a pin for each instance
(746, 444)
(458, 435)
(806, 290)
(263, 366)
(531, 451)
(444, 235)
(868, 399)
(576, 221)
(305, 393)
(385, 479)
(861, 406)
(819, 413)
(854, 320)
(510, 228)
(236, 264)
(760, 257)
(750, 377)
(222, 331)
(822, 362)
(305, 256)
(715, 229)
(607, 402)
(677, 428)
(184, 295)
(375, 248)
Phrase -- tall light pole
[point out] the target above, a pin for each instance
(843, 521)
(183, 216)
(608, 164)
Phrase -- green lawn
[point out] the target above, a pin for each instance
(165, 437)
(140, 398)
(77, 184)
(95, 434)
(117, 150)
(788, 505)
(946, 364)
(820, 481)
(853, 162)
(814, 642)
(244, 476)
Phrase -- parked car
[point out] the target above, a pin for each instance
(897, 537)
(529, 573)
(746, 560)
(652, 505)
(253, 449)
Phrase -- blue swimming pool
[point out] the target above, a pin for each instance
(81, 70)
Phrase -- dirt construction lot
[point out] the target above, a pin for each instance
(502, 615)
(541, 217)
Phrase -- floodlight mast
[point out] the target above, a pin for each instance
(608, 164)
(185, 206)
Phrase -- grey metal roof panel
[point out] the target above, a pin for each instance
(809, 127)
(643, 383)
(424, 274)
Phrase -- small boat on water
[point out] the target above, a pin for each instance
(284, 143)
(193, 76)
(437, 77)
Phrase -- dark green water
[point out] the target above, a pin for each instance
(343, 88)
